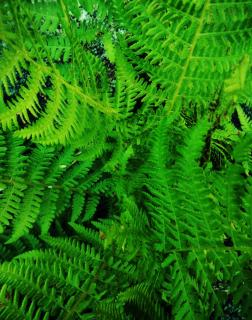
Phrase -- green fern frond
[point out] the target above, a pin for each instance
(244, 120)
(188, 41)
(12, 63)
(14, 163)
(110, 310)
(141, 295)
(64, 107)
(78, 204)
(14, 306)
(125, 159)
(74, 274)
(183, 293)
(34, 195)
(87, 234)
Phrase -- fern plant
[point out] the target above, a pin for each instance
(125, 180)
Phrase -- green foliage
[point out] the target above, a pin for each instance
(125, 159)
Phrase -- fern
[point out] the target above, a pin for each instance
(59, 121)
(190, 231)
(37, 194)
(76, 274)
(125, 159)
(187, 41)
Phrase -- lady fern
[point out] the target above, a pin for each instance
(125, 159)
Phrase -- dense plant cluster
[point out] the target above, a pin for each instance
(125, 159)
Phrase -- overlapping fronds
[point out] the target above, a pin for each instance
(37, 184)
(191, 227)
(125, 159)
(190, 47)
